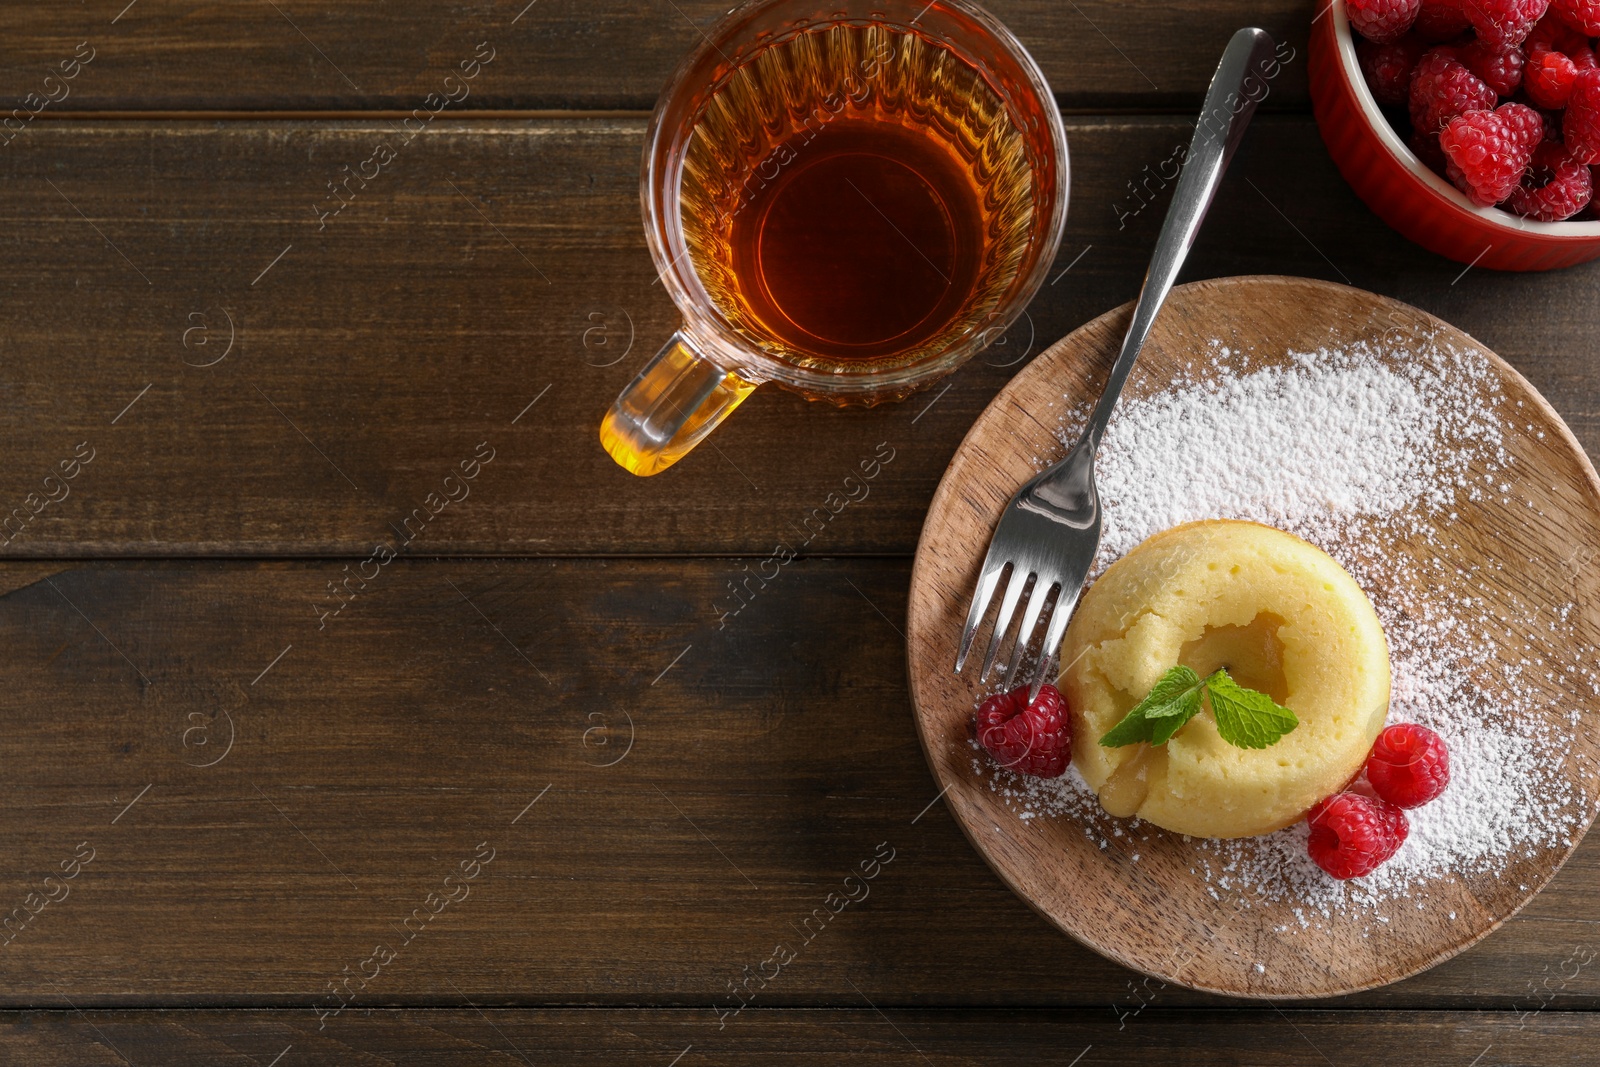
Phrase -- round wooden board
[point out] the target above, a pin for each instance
(1138, 899)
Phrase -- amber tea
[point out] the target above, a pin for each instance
(847, 201)
(856, 196)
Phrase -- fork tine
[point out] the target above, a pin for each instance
(1059, 617)
(1002, 621)
(1030, 619)
(981, 597)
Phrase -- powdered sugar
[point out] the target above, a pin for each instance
(1375, 457)
(1333, 437)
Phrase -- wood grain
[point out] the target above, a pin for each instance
(1147, 901)
(769, 759)
(763, 725)
(375, 354)
(914, 1037)
(163, 54)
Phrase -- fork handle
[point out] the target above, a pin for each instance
(1238, 86)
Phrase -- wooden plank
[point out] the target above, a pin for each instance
(249, 806)
(373, 355)
(162, 54)
(861, 1035)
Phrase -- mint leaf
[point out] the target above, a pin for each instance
(1246, 718)
(1173, 701)
(1162, 729)
(1172, 695)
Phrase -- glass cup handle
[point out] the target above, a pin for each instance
(679, 398)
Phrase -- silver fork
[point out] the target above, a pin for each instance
(1050, 531)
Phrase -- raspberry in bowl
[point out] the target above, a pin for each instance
(1445, 123)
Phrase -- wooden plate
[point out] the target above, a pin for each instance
(1138, 899)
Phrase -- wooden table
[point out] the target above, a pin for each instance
(536, 791)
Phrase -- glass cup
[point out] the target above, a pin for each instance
(847, 201)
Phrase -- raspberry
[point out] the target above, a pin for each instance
(1548, 78)
(1526, 123)
(1426, 146)
(1555, 188)
(1504, 22)
(1352, 834)
(1500, 68)
(1552, 34)
(1581, 15)
(1382, 21)
(1441, 20)
(1581, 125)
(1036, 739)
(1388, 68)
(1442, 88)
(1409, 765)
(1487, 153)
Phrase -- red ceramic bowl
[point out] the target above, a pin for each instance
(1403, 191)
